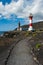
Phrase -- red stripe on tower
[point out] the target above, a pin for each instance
(30, 24)
(30, 17)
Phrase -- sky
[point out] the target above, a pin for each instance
(13, 11)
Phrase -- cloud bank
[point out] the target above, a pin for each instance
(22, 8)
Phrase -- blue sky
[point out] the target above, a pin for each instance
(13, 11)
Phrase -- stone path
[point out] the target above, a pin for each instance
(20, 54)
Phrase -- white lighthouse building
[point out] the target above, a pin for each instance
(30, 22)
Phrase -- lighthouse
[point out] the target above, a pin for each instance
(30, 22)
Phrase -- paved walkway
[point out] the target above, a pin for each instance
(20, 54)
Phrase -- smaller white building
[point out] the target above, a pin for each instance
(19, 29)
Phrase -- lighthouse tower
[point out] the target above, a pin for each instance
(30, 22)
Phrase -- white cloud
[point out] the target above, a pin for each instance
(11, 8)
(21, 8)
(36, 7)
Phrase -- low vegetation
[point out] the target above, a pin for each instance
(36, 46)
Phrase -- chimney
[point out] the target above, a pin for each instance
(19, 27)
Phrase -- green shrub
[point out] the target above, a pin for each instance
(38, 45)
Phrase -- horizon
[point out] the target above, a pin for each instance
(21, 25)
(13, 11)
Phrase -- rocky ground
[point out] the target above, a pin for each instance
(20, 46)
